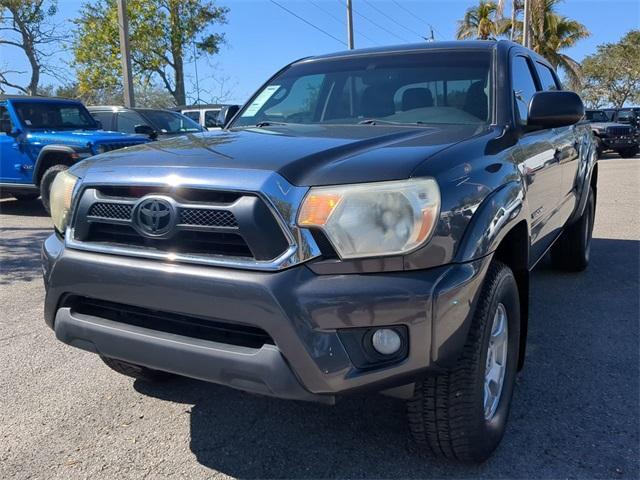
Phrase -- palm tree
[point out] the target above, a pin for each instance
(481, 22)
(551, 33)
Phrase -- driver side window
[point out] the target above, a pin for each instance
(524, 87)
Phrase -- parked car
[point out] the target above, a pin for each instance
(366, 223)
(41, 136)
(628, 116)
(619, 137)
(153, 122)
(205, 115)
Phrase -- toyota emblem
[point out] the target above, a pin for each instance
(154, 216)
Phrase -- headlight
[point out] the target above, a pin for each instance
(60, 198)
(372, 219)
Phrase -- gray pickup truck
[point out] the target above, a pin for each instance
(367, 222)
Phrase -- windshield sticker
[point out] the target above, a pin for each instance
(260, 100)
(28, 122)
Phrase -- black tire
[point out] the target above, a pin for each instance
(599, 148)
(573, 249)
(25, 197)
(47, 180)
(137, 371)
(629, 152)
(446, 413)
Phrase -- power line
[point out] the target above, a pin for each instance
(307, 22)
(377, 24)
(416, 16)
(340, 21)
(391, 19)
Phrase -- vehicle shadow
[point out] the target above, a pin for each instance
(30, 208)
(582, 355)
(20, 257)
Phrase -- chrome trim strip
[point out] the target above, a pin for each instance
(281, 197)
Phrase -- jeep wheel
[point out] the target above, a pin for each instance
(629, 152)
(572, 250)
(46, 182)
(462, 414)
(136, 371)
(25, 196)
(599, 147)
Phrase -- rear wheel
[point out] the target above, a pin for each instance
(462, 414)
(573, 249)
(136, 371)
(47, 180)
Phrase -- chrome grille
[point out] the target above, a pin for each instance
(237, 225)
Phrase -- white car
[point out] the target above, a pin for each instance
(205, 115)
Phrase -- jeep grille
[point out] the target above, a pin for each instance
(619, 131)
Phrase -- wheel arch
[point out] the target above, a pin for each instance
(49, 156)
(513, 251)
(500, 228)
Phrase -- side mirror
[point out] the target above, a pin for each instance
(554, 108)
(99, 124)
(146, 130)
(226, 114)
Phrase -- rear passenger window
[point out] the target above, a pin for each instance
(524, 86)
(193, 115)
(211, 118)
(547, 77)
(104, 118)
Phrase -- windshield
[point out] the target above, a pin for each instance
(170, 122)
(409, 88)
(596, 116)
(626, 116)
(55, 116)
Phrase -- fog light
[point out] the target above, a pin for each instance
(386, 341)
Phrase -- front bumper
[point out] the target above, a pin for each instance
(301, 311)
(615, 143)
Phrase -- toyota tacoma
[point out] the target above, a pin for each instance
(367, 222)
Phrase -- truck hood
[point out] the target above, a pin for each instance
(303, 154)
(83, 137)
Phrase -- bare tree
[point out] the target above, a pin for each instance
(28, 26)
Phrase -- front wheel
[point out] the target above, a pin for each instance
(26, 196)
(462, 414)
(45, 184)
(629, 152)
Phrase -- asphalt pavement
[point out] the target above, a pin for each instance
(575, 414)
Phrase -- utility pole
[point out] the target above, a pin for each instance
(127, 80)
(349, 25)
(525, 24)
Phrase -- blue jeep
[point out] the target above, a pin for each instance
(39, 137)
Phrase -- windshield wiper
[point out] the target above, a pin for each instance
(377, 121)
(268, 123)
